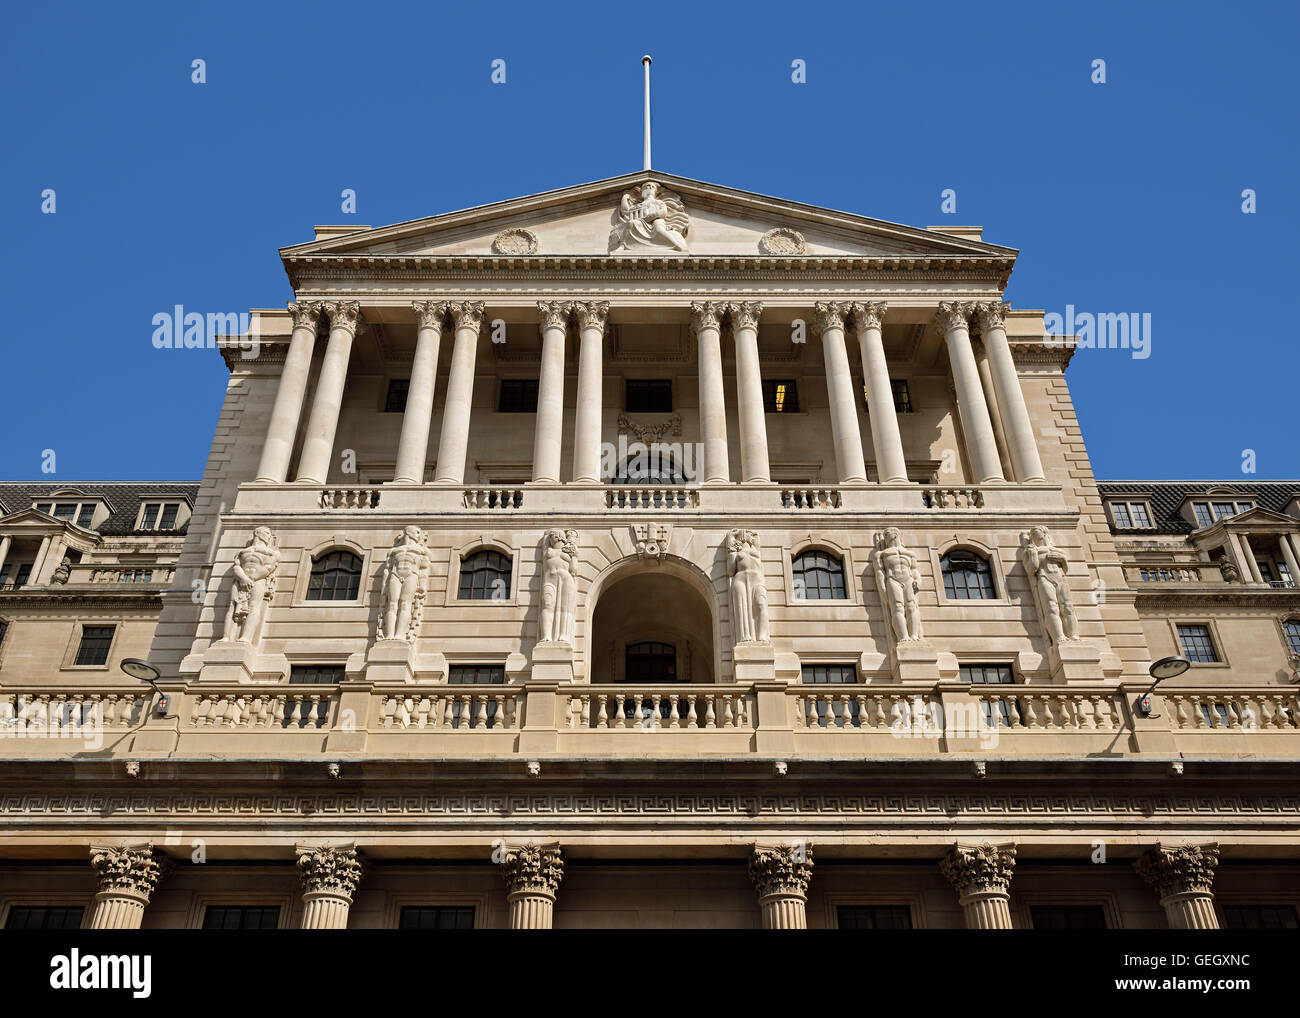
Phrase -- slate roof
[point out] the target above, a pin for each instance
(123, 498)
(1166, 496)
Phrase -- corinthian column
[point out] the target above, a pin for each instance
(981, 876)
(1182, 877)
(591, 317)
(318, 446)
(780, 874)
(329, 879)
(891, 465)
(707, 319)
(533, 874)
(1016, 422)
(550, 391)
(839, 389)
(278, 446)
(454, 439)
(413, 446)
(127, 877)
(973, 410)
(749, 393)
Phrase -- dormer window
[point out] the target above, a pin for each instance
(159, 516)
(1220, 509)
(1130, 515)
(80, 513)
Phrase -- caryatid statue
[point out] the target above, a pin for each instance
(403, 580)
(253, 588)
(654, 221)
(898, 579)
(748, 590)
(1047, 565)
(559, 585)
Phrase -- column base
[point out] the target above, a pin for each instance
(553, 662)
(915, 661)
(754, 662)
(1076, 661)
(232, 662)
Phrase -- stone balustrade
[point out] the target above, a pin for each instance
(811, 498)
(455, 708)
(293, 708)
(675, 708)
(67, 713)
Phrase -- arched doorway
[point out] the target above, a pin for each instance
(651, 625)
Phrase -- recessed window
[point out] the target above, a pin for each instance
(485, 576)
(902, 396)
(780, 396)
(436, 917)
(818, 576)
(873, 917)
(1130, 515)
(317, 675)
(829, 712)
(159, 515)
(967, 576)
(1291, 627)
(1067, 917)
(241, 917)
(13, 576)
(830, 675)
(95, 642)
(335, 576)
(43, 917)
(518, 396)
(395, 401)
(1260, 917)
(1209, 512)
(991, 675)
(83, 513)
(649, 395)
(476, 675)
(650, 662)
(1198, 646)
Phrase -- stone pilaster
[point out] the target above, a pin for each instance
(533, 874)
(981, 876)
(127, 877)
(1182, 877)
(781, 874)
(330, 875)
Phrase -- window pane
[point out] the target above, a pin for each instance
(395, 401)
(241, 917)
(1120, 511)
(902, 395)
(1197, 645)
(1292, 629)
(335, 576)
(518, 396)
(95, 641)
(649, 395)
(86, 515)
(873, 917)
(966, 576)
(1222, 509)
(1141, 518)
(168, 519)
(65, 511)
(150, 516)
(818, 575)
(650, 662)
(1203, 515)
(436, 917)
(830, 675)
(485, 576)
(43, 917)
(1067, 917)
(476, 675)
(780, 396)
(316, 675)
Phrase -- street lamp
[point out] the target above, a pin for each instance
(1165, 668)
(145, 672)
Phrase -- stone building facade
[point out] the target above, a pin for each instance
(651, 553)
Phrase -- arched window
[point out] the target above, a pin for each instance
(818, 576)
(484, 576)
(1292, 629)
(335, 576)
(652, 465)
(967, 576)
(650, 662)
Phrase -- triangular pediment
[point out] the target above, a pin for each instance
(37, 522)
(598, 220)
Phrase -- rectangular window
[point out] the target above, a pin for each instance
(829, 711)
(873, 917)
(241, 917)
(1130, 515)
(1141, 518)
(649, 395)
(1222, 510)
(1197, 644)
(45, 507)
(95, 641)
(395, 401)
(316, 675)
(518, 396)
(902, 396)
(991, 675)
(830, 675)
(1067, 917)
(436, 917)
(65, 511)
(167, 521)
(1119, 511)
(1203, 515)
(43, 917)
(476, 675)
(1260, 917)
(86, 514)
(780, 396)
(150, 515)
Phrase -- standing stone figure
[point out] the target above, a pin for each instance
(748, 591)
(897, 581)
(559, 585)
(1047, 565)
(254, 586)
(403, 580)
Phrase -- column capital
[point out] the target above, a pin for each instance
(745, 314)
(429, 313)
(781, 869)
(467, 314)
(327, 869)
(591, 314)
(707, 314)
(1180, 869)
(954, 315)
(992, 314)
(305, 314)
(831, 314)
(868, 314)
(979, 869)
(343, 314)
(555, 313)
(135, 870)
(533, 869)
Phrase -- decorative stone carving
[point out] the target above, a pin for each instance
(135, 870)
(591, 314)
(532, 875)
(707, 314)
(403, 581)
(1182, 877)
(652, 539)
(831, 315)
(992, 314)
(782, 241)
(748, 589)
(1047, 565)
(328, 870)
(745, 315)
(657, 219)
(515, 241)
(868, 314)
(559, 585)
(898, 579)
(254, 585)
(647, 432)
(62, 571)
(953, 315)
(343, 314)
(305, 314)
(554, 314)
(981, 876)
(1228, 569)
(781, 874)
(467, 314)
(429, 313)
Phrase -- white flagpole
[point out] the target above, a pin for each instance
(645, 60)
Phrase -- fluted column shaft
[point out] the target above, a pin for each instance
(323, 911)
(839, 389)
(289, 394)
(754, 465)
(126, 878)
(413, 446)
(550, 392)
(981, 876)
(781, 875)
(1016, 422)
(531, 910)
(453, 442)
(971, 407)
(891, 465)
(330, 876)
(1182, 877)
(532, 875)
(707, 318)
(322, 424)
(118, 910)
(591, 317)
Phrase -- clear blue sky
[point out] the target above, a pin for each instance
(1122, 197)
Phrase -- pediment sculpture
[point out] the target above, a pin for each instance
(654, 218)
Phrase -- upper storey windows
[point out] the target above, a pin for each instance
(1130, 515)
(818, 576)
(967, 576)
(81, 513)
(335, 576)
(649, 395)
